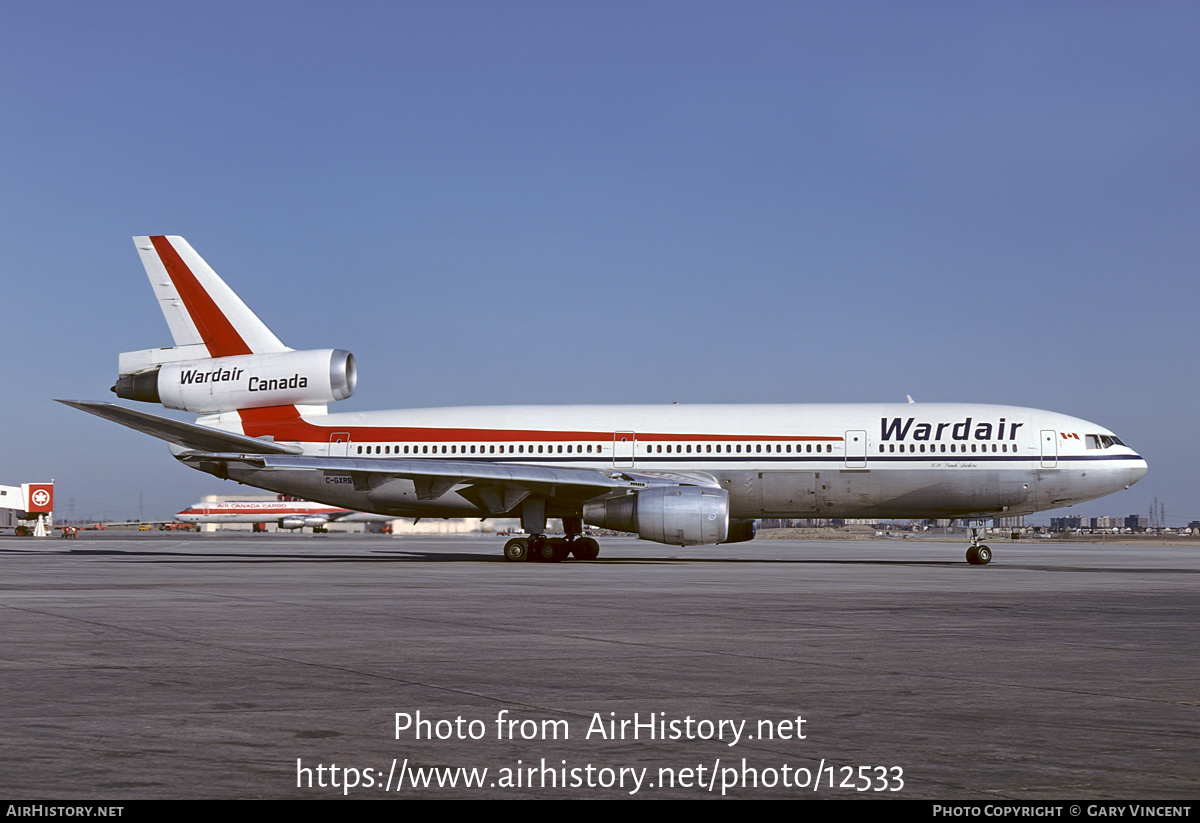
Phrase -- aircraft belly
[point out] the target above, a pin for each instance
(771, 493)
(880, 493)
(1065, 486)
(919, 493)
(838, 493)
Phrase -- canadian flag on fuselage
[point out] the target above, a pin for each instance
(224, 357)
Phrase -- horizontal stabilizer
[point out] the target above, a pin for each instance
(187, 435)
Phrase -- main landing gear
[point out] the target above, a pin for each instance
(544, 549)
(539, 547)
(978, 554)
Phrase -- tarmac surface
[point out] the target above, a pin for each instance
(237, 666)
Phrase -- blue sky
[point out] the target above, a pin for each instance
(623, 202)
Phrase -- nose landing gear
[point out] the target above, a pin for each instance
(978, 554)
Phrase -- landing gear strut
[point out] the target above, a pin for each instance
(584, 548)
(977, 553)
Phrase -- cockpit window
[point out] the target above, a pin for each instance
(1102, 441)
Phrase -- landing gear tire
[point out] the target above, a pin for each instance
(516, 550)
(554, 551)
(585, 548)
(979, 555)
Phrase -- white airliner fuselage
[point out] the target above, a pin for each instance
(943, 460)
(684, 475)
(287, 514)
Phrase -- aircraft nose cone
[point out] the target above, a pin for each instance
(1138, 472)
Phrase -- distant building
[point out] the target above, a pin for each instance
(1135, 522)
(1009, 523)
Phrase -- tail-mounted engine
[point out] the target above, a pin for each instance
(678, 515)
(246, 381)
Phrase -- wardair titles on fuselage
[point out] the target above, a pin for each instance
(899, 429)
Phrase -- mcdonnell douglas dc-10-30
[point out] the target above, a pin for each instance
(682, 475)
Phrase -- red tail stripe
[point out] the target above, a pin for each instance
(218, 334)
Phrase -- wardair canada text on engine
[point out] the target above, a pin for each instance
(215, 376)
(194, 376)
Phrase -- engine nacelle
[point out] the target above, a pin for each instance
(245, 381)
(301, 521)
(678, 515)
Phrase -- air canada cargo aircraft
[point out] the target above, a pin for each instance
(682, 475)
(286, 512)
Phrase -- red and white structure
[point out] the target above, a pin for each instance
(31, 502)
(285, 512)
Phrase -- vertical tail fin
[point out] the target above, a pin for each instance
(200, 309)
(224, 358)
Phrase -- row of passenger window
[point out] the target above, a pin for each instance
(731, 448)
(933, 447)
(572, 448)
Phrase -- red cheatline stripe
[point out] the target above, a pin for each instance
(211, 511)
(218, 334)
(285, 424)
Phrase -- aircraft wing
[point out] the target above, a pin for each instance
(495, 487)
(187, 435)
